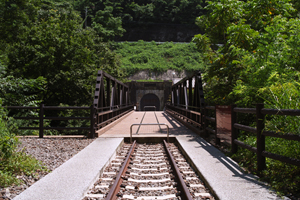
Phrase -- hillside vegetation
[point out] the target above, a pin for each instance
(158, 57)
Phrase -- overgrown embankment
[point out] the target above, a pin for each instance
(158, 57)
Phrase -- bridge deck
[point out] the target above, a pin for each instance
(122, 129)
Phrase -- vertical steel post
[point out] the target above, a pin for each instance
(205, 122)
(92, 119)
(172, 97)
(260, 140)
(108, 92)
(190, 92)
(218, 140)
(186, 97)
(41, 120)
(234, 134)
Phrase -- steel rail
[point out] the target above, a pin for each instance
(163, 124)
(112, 195)
(185, 190)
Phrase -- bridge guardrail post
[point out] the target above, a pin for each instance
(41, 121)
(92, 119)
(234, 134)
(205, 111)
(260, 138)
(218, 140)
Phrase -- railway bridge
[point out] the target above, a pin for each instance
(190, 131)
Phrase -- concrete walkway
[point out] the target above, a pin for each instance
(222, 174)
(73, 178)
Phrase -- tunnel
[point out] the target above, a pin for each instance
(149, 99)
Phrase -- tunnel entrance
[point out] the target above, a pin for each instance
(149, 100)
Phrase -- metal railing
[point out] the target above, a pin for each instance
(41, 127)
(208, 124)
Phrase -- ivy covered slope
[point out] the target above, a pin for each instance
(158, 57)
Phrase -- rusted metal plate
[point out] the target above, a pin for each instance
(223, 115)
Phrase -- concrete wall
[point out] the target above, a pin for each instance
(138, 89)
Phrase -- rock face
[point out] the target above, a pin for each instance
(169, 75)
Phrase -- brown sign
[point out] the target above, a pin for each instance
(223, 117)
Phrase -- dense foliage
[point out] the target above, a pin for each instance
(252, 52)
(50, 46)
(158, 57)
(143, 11)
(249, 46)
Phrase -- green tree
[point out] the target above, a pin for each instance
(106, 25)
(15, 16)
(235, 33)
(56, 47)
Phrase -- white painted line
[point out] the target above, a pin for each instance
(148, 169)
(150, 197)
(95, 195)
(197, 185)
(106, 179)
(191, 178)
(145, 165)
(160, 174)
(102, 186)
(111, 173)
(188, 172)
(205, 195)
(150, 188)
(148, 181)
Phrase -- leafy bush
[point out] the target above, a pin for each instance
(13, 163)
(18, 163)
(136, 56)
(7, 140)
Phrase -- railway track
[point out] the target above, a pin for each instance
(148, 171)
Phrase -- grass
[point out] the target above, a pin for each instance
(12, 162)
(158, 57)
(18, 164)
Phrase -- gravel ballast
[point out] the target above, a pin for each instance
(52, 152)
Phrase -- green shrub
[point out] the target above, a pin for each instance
(13, 163)
(158, 57)
(7, 140)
